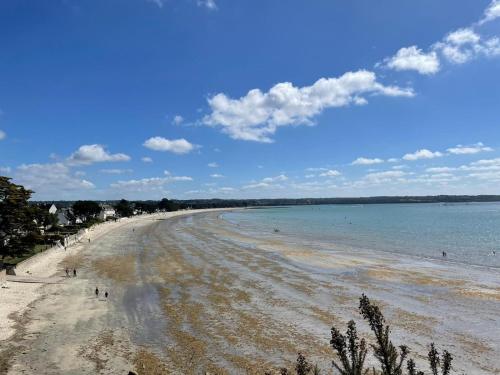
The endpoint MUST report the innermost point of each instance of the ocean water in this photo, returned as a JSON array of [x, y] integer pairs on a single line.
[[467, 232]]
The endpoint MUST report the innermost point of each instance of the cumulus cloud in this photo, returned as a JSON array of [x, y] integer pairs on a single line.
[[471, 149], [51, 180], [440, 170], [281, 177], [258, 185], [413, 58], [386, 176], [367, 161], [216, 175], [177, 146], [89, 154], [457, 47], [213, 165], [330, 173], [2, 135], [257, 115], [5, 169], [209, 4], [178, 119], [116, 171], [492, 12], [422, 154], [153, 184], [146, 159]]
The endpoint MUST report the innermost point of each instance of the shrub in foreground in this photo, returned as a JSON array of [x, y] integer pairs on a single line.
[[351, 351]]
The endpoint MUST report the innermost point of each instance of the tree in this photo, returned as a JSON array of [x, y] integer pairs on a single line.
[[168, 205], [17, 225], [124, 209], [86, 210]]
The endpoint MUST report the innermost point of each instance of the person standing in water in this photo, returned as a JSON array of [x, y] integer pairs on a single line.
[[106, 294], [74, 272], [96, 292]]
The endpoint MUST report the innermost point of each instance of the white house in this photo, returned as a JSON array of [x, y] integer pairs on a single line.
[[52, 209], [107, 212]]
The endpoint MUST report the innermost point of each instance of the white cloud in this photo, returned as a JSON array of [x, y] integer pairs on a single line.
[[89, 154], [257, 115], [440, 169], [148, 184], [492, 12], [177, 146], [472, 149], [386, 176], [158, 3], [147, 159], [330, 173], [116, 171], [2, 135], [465, 44], [281, 177], [412, 58], [216, 175], [366, 161], [316, 169], [5, 169], [178, 119], [209, 4], [51, 180], [392, 160], [213, 165], [258, 185], [488, 162], [422, 154]]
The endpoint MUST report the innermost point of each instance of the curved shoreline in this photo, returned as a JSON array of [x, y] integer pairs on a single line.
[[17, 296]]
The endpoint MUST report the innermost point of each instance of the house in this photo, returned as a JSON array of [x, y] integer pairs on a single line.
[[107, 211], [52, 209], [62, 217]]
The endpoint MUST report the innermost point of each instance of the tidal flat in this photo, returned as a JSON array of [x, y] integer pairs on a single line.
[[196, 293]]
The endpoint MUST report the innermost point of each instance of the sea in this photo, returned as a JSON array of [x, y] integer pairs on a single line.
[[468, 233]]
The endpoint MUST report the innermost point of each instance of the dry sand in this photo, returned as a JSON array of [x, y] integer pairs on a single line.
[[193, 294]]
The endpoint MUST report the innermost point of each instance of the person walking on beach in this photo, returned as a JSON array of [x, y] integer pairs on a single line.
[[106, 294], [74, 272], [67, 272], [96, 292]]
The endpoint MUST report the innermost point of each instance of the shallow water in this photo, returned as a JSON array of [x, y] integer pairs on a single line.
[[468, 233]]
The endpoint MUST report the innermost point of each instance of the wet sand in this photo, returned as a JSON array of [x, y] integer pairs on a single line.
[[194, 293]]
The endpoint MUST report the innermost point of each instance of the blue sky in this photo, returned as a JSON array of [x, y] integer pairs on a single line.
[[144, 99]]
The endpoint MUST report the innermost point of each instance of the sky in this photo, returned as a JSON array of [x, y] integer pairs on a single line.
[[185, 99]]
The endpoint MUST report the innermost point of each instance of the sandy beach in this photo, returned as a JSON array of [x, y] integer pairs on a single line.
[[193, 293]]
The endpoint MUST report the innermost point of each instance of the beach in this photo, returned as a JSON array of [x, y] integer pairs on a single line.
[[193, 293]]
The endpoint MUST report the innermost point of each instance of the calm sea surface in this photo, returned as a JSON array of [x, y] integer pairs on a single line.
[[468, 233]]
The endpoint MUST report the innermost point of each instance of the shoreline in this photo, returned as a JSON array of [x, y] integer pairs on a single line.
[[17, 296], [194, 294]]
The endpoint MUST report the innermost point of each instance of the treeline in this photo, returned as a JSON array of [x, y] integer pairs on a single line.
[[173, 205], [222, 203]]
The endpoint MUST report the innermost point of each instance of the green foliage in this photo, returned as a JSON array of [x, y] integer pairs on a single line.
[[86, 210], [390, 359], [350, 350], [124, 209], [168, 205], [17, 225]]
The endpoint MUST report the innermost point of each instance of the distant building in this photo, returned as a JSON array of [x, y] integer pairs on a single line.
[[107, 211], [52, 209], [62, 217]]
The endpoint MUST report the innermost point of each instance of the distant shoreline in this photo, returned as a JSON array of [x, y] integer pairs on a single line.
[[277, 202]]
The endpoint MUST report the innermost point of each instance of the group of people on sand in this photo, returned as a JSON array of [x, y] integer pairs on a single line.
[[68, 272], [106, 294]]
